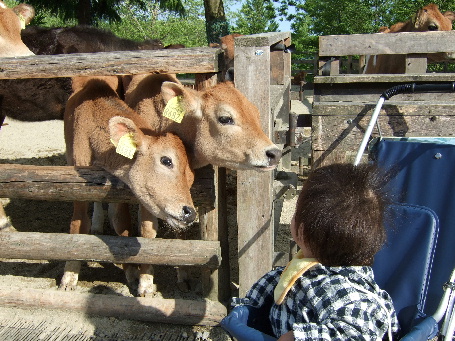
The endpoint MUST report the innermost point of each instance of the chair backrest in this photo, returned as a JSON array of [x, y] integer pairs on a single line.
[[422, 173], [403, 266]]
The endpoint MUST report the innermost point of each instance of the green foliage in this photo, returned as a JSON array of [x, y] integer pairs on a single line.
[[95, 12], [155, 23], [256, 16]]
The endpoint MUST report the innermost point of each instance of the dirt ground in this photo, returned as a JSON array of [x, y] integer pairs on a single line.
[[42, 143]]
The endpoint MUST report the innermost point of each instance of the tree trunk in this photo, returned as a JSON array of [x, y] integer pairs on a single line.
[[216, 25], [84, 11]]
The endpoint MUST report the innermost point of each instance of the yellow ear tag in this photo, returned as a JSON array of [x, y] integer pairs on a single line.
[[174, 109], [126, 146], [22, 20]]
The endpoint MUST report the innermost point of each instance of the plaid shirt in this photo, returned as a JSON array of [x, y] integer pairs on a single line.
[[328, 303]]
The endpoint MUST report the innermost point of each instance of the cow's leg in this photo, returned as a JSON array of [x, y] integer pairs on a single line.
[[80, 223], [97, 218], [2, 115], [5, 224], [120, 218], [182, 275], [148, 229]]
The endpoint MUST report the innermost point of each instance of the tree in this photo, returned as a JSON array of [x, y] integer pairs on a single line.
[[155, 23], [216, 23], [256, 16]]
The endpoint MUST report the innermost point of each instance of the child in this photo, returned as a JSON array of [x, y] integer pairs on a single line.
[[328, 292]]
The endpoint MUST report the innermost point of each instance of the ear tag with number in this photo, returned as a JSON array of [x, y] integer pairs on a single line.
[[22, 20], [174, 109], [126, 146]]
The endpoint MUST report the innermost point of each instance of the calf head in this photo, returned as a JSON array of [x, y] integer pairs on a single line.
[[159, 174], [429, 18], [226, 129], [12, 21]]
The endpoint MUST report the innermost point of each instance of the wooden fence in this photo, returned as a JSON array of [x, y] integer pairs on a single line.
[[343, 103]]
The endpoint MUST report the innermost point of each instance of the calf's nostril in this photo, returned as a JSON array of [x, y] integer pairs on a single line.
[[189, 214], [274, 155]]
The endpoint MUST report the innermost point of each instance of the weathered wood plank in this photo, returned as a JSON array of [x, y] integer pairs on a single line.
[[178, 311], [188, 60], [66, 183], [103, 248], [339, 129], [368, 89], [261, 39], [385, 78], [390, 43]]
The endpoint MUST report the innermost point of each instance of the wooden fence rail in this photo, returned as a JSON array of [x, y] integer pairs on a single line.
[[67, 183], [114, 249]]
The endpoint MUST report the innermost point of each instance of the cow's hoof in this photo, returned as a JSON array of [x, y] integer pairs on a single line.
[[6, 226], [68, 283], [146, 290]]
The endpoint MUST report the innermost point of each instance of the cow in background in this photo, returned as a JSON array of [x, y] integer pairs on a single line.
[[428, 18], [44, 99], [227, 45], [80, 39]]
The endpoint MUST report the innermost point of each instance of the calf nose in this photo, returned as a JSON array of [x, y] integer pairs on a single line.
[[433, 27], [189, 214], [274, 155]]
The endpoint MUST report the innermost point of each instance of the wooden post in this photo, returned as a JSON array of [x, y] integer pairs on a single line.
[[416, 63], [254, 190]]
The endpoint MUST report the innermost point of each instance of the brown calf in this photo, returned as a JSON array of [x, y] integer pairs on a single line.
[[158, 172], [428, 18]]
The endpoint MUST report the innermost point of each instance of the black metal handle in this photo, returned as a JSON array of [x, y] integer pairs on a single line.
[[413, 87]]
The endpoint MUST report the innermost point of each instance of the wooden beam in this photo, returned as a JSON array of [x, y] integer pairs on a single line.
[[188, 60], [177, 311], [102, 248], [67, 183], [387, 43]]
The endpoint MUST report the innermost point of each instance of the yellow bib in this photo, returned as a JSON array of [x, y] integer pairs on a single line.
[[295, 268]]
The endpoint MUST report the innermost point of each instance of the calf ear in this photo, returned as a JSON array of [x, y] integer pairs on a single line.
[[450, 15], [120, 126], [190, 100], [25, 12]]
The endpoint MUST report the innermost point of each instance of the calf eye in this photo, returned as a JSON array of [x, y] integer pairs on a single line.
[[225, 120], [167, 161]]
